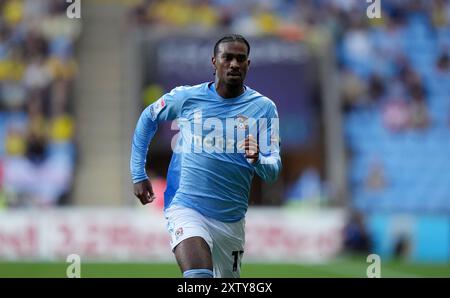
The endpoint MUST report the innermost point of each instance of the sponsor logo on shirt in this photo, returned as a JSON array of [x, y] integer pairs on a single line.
[[157, 107]]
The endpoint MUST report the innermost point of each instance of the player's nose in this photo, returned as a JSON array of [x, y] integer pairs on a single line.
[[234, 64]]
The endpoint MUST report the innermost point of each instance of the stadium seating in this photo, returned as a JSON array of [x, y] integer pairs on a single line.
[[413, 161], [37, 68]]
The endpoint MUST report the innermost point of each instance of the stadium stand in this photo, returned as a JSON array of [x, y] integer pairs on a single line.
[[399, 130], [37, 70]]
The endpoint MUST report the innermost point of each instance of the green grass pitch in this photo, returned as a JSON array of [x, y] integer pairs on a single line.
[[348, 267]]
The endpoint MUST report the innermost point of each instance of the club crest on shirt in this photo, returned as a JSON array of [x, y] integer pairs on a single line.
[[241, 122], [178, 233]]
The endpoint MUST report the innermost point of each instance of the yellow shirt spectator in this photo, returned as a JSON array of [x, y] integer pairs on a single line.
[[171, 12], [61, 128], [13, 12], [267, 21], [64, 70], [205, 16], [12, 70], [152, 93], [15, 143]]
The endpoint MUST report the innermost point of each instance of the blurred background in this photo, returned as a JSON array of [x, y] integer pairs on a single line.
[[363, 94]]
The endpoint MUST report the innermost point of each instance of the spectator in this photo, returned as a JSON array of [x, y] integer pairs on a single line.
[[443, 64], [440, 13], [356, 238], [396, 114], [376, 180], [352, 90], [418, 117], [37, 69]]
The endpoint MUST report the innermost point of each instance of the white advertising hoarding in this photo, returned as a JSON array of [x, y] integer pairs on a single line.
[[99, 234]]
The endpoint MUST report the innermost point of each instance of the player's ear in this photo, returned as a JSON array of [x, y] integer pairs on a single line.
[[213, 61], [248, 62]]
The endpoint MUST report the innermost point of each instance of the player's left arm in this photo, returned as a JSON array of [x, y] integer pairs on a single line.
[[264, 152]]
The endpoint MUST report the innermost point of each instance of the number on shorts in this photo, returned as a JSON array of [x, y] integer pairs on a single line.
[[237, 254]]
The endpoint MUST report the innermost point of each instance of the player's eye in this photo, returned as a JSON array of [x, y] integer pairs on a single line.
[[228, 57], [241, 58]]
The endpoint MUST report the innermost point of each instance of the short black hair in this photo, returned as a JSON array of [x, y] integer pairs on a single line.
[[231, 38]]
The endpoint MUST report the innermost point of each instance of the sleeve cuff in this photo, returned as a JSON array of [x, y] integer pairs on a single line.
[[254, 162]]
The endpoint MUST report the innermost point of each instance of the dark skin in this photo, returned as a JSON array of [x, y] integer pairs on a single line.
[[231, 64]]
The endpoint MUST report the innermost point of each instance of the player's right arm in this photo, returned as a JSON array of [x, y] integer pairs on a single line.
[[168, 107]]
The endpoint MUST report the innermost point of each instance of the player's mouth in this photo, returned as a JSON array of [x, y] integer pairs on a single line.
[[234, 74]]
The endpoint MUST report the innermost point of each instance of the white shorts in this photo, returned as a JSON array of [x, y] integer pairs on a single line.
[[225, 239]]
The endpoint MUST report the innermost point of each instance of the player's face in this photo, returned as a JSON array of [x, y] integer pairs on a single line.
[[231, 62]]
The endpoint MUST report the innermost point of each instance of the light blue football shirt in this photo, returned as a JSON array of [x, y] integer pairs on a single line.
[[208, 172]]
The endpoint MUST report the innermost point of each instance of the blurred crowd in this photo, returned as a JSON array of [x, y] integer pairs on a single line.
[[395, 83], [37, 70], [246, 17]]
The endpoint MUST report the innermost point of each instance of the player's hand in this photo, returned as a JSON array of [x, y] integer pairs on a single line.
[[251, 148], [144, 192]]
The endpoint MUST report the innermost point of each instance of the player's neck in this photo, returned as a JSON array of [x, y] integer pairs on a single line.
[[228, 91]]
